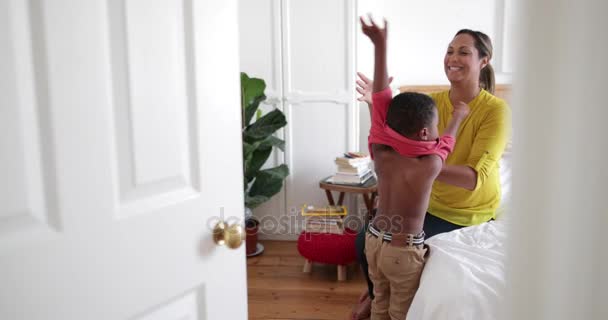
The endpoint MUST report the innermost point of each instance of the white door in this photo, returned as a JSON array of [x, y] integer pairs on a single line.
[[120, 150]]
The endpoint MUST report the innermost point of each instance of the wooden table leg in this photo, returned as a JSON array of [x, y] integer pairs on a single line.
[[341, 273], [371, 212], [307, 266], [330, 198], [368, 203], [341, 199], [374, 195]]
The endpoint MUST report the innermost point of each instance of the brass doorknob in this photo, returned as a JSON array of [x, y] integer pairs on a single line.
[[231, 236]]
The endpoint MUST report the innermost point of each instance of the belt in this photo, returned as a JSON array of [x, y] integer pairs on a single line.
[[388, 237]]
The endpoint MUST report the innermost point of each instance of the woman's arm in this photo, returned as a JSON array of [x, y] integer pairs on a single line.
[[487, 149], [364, 87], [460, 176]]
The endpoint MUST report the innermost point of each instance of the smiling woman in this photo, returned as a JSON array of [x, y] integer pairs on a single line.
[[459, 58]]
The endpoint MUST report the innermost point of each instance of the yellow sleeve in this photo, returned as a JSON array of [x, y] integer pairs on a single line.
[[490, 142]]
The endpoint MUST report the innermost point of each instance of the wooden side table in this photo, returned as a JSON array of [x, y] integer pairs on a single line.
[[368, 191]]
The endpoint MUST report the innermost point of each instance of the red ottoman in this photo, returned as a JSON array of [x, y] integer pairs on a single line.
[[329, 248]]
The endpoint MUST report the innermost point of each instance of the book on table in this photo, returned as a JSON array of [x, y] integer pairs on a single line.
[[318, 224], [368, 183], [325, 211], [341, 178], [334, 229], [326, 219], [354, 168], [359, 170], [346, 162]]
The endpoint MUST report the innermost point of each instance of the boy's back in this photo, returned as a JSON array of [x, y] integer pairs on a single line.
[[404, 186], [408, 156]]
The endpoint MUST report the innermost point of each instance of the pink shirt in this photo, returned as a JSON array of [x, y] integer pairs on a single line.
[[381, 133]]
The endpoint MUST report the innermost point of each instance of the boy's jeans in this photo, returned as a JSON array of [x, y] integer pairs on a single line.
[[395, 270]]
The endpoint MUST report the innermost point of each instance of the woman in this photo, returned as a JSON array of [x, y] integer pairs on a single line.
[[467, 191]]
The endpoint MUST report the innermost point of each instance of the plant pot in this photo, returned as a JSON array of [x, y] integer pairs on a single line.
[[251, 236]]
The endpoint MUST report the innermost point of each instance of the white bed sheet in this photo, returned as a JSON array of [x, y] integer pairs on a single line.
[[464, 275]]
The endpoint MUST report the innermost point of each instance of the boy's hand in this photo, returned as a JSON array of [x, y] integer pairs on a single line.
[[378, 37], [373, 31], [365, 86], [461, 110]]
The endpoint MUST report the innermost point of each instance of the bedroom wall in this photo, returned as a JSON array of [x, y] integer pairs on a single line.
[[419, 33], [308, 54]]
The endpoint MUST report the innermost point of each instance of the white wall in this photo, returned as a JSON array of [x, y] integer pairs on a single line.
[[261, 57], [306, 53], [419, 34], [420, 31]]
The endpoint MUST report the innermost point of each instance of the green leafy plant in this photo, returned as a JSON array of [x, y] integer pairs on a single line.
[[258, 142]]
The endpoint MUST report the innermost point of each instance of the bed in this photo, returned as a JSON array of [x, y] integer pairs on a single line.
[[464, 277]]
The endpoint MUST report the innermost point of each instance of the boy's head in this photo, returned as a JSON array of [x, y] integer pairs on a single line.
[[414, 116]]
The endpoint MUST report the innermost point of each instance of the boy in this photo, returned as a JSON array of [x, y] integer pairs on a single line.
[[408, 155]]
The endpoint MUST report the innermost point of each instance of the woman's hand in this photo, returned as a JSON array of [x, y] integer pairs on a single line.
[[365, 86]]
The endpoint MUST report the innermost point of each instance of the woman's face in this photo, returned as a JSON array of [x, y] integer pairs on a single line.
[[462, 62]]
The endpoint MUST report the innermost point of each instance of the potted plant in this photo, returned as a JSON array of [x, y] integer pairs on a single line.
[[258, 143]]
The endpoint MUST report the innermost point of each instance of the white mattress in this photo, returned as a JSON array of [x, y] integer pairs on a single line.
[[464, 275]]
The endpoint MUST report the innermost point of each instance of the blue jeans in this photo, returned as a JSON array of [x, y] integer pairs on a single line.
[[432, 226]]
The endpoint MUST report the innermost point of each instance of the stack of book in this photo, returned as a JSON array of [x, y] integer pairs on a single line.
[[352, 169], [324, 220]]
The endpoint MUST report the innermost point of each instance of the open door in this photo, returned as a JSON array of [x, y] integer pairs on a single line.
[[120, 152]]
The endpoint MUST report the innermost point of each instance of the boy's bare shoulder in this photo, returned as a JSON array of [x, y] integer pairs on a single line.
[[380, 149], [429, 162], [431, 165]]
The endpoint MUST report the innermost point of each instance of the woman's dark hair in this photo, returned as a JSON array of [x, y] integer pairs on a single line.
[[483, 44]]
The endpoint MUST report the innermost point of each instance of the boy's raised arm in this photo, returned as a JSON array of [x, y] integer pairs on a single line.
[[378, 37]]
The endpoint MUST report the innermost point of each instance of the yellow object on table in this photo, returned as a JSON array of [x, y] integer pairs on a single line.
[[324, 211]]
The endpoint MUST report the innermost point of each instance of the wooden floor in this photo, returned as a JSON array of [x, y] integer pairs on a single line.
[[278, 289]]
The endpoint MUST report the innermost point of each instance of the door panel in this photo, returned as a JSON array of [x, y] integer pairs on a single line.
[[153, 97], [121, 144]]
